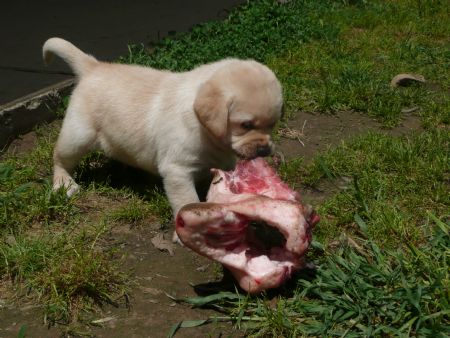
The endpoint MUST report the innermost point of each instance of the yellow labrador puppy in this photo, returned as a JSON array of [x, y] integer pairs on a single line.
[[176, 125]]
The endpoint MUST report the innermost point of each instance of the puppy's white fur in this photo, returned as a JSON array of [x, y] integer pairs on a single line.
[[176, 125]]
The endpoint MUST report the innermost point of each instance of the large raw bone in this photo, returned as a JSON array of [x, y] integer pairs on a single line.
[[219, 232], [219, 229]]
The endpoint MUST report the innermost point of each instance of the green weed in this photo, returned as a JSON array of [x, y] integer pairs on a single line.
[[377, 41], [67, 273], [133, 211], [395, 181], [43, 249], [159, 206], [28, 202], [357, 290], [256, 30], [288, 171]]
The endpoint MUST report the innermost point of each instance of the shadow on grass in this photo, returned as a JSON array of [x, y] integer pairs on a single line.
[[229, 283], [104, 172], [101, 171]]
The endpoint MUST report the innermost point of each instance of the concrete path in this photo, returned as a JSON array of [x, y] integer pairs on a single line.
[[100, 27]]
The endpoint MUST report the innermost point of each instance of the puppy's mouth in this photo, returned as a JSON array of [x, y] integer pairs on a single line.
[[242, 156], [252, 151]]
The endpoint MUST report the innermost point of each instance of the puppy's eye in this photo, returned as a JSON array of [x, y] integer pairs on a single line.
[[248, 125]]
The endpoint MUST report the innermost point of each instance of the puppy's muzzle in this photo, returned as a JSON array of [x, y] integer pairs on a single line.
[[262, 151]]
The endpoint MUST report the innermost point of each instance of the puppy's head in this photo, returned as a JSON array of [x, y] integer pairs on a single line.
[[239, 106]]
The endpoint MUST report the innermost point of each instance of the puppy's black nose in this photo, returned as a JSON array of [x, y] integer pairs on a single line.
[[263, 151]]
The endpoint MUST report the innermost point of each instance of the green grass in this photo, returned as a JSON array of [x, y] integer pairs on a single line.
[[52, 248], [44, 249], [28, 202], [364, 292], [395, 181], [377, 41], [372, 292], [259, 29], [159, 205], [138, 208], [132, 212], [68, 274]]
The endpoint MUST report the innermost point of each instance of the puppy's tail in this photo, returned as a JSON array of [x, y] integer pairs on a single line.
[[77, 60]]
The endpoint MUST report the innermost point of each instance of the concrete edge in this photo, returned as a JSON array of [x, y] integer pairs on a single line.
[[22, 115]]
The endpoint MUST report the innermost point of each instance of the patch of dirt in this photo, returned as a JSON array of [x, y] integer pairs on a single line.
[[158, 274], [314, 133], [13, 317], [185, 274], [23, 144]]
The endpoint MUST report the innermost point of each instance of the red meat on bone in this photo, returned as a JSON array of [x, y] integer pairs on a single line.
[[219, 228]]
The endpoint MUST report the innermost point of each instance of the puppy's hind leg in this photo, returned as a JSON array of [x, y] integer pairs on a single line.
[[75, 140]]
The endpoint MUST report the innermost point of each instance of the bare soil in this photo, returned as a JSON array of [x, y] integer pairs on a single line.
[[183, 274], [318, 132]]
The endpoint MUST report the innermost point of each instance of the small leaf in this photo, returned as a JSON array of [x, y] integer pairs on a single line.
[[359, 195], [193, 323], [6, 171], [348, 315], [436, 314], [160, 243], [362, 225], [443, 226], [317, 245], [201, 301], [23, 187], [325, 169], [239, 318], [186, 324], [22, 332], [408, 324], [174, 330]]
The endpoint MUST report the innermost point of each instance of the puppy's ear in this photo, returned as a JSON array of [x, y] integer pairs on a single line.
[[211, 108]]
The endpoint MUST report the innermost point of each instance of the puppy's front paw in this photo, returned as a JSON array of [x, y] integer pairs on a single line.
[[71, 187], [176, 239]]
